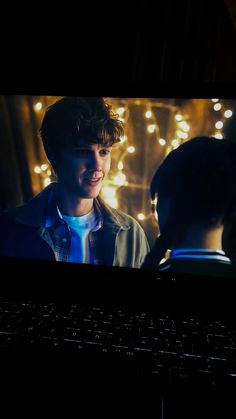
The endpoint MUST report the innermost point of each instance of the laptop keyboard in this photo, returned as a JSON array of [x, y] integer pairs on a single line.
[[167, 347]]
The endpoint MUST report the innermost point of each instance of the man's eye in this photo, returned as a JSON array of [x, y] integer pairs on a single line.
[[104, 152]]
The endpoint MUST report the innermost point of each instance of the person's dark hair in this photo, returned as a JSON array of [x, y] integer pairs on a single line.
[[199, 181], [70, 118]]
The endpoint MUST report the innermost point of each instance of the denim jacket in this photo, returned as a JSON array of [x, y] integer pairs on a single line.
[[26, 233]]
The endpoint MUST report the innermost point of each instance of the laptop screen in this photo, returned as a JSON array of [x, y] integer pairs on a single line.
[[76, 175]]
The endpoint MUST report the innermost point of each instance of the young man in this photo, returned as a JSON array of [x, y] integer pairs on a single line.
[[68, 221], [195, 188]]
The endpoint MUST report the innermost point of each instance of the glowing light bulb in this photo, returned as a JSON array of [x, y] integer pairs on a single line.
[[228, 113], [151, 128], [37, 169], [219, 124], [121, 110], [120, 165], [44, 167], [182, 134], [47, 181], [184, 126], [178, 117], [217, 107], [218, 135], [175, 143], [148, 114], [131, 149], [162, 141], [38, 106], [141, 216], [214, 100]]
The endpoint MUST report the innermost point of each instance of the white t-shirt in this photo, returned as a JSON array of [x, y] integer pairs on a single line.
[[80, 228]]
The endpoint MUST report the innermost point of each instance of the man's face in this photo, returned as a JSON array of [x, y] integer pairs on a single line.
[[82, 168]]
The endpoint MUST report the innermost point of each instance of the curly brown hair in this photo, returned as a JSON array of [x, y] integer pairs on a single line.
[[73, 117]]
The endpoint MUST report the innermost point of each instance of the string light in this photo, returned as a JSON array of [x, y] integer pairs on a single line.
[[37, 169], [47, 181], [217, 107], [121, 111], [218, 135], [178, 117], [214, 100], [38, 106], [182, 134], [141, 216], [45, 172], [184, 126], [151, 128], [131, 149], [228, 113], [148, 114], [219, 124], [120, 179], [120, 165], [162, 142], [175, 143]]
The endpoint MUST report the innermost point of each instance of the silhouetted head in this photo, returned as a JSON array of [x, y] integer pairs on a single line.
[[194, 186]]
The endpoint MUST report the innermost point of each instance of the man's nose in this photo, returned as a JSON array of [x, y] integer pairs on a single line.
[[95, 162]]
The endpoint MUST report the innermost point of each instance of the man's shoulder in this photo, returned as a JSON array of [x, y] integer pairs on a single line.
[[120, 217], [199, 267], [126, 218]]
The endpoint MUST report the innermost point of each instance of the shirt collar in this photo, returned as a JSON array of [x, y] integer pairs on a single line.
[[54, 215]]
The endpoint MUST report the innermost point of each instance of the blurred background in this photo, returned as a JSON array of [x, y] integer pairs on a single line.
[[153, 127]]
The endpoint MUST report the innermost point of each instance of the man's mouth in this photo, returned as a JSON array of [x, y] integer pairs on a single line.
[[93, 181]]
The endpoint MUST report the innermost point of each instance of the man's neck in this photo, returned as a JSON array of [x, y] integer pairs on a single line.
[[201, 238], [73, 205]]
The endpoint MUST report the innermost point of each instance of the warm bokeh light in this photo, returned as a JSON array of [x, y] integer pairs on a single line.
[[162, 141], [151, 128], [141, 216], [184, 126], [182, 134], [44, 167], [120, 165], [37, 169], [148, 114], [178, 117], [219, 124], [228, 113], [38, 106], [214, 100], [121, 110], [218, 135], [175, 143], [47, 181], [131, 149], [217, 107], [120, 179]]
